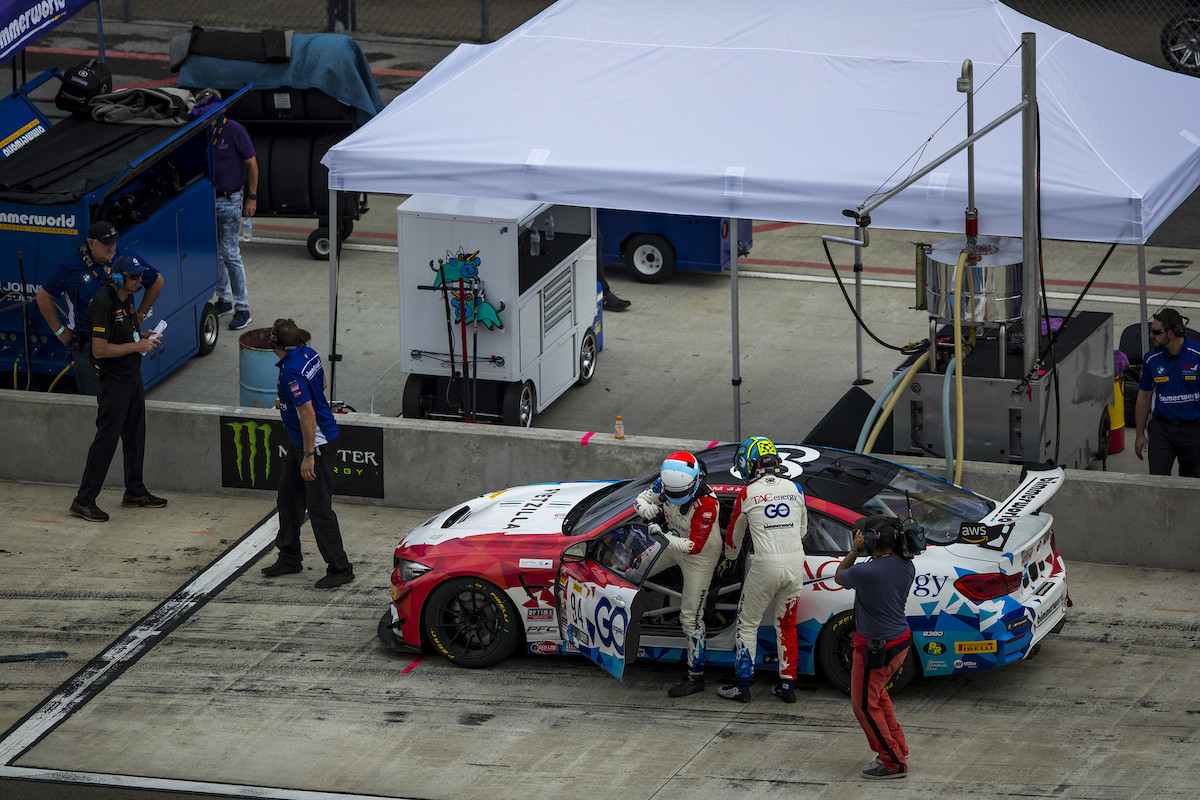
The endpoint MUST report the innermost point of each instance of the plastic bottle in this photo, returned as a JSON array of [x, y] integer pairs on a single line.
[[619, 428], [549, 227], [535, 242], [247, 229]]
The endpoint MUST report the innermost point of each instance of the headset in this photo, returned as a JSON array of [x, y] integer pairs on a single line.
[[885, 536], [1179, 323], [118, 275], [273, 339]]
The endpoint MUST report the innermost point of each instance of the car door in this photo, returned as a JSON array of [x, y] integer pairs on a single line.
[[597, 592]]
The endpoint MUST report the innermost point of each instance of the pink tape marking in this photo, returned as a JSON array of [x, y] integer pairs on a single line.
[[712, 444], [587, 436], [412, 666]]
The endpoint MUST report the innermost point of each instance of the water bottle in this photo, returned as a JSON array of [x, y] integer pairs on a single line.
[[247, 229], [535, 242], [549, 227], [619, 428]]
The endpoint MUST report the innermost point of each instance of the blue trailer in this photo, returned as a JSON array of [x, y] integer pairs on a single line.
[[652, 246], [65, 176]]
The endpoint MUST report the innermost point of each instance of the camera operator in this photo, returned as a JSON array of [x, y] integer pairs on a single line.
[[882, 636]]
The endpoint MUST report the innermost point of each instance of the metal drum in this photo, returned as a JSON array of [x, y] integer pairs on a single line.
[[258, 377], [991, 287]]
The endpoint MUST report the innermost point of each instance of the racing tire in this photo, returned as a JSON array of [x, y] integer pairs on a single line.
[[588, 353], [319, 245], [209, 330], [414, 403], [835, 654], [471, 622], [517, 407], [1180, 41], [650, 258]]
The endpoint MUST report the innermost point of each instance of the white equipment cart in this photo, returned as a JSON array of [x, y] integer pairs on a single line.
[[499, 306]]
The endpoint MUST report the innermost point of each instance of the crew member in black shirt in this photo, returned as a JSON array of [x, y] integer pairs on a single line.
[[117, 350]]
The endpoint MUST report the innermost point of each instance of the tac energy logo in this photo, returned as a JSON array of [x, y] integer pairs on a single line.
[[253, 453]]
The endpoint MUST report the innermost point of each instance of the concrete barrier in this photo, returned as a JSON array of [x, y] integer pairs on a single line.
[[1103, 517]]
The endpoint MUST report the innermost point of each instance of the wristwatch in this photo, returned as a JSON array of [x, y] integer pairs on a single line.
[[251, 196], [308, 453]]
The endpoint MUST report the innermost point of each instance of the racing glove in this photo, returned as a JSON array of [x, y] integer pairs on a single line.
[[646, 509], [655, 528]]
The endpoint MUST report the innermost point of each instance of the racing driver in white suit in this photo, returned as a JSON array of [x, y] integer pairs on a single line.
[[772, 508], [693, 542]]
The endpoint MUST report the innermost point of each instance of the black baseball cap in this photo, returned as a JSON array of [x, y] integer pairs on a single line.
[[103, 231]]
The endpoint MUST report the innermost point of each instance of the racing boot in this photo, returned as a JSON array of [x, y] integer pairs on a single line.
[[690, 684], [785, 690], [739, 691]]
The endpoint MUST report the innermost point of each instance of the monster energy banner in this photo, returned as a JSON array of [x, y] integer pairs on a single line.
[[252, 452]]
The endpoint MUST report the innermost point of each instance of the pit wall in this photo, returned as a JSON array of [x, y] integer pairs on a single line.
[[433, 465]]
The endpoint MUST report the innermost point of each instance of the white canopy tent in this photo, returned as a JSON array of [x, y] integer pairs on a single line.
[[788, 110]]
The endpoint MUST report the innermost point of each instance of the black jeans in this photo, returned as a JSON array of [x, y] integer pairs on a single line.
[[120, 414], [296, 495], [1168, 442]]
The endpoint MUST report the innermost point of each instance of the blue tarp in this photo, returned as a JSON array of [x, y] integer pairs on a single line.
[[26, 21], [330, 62]]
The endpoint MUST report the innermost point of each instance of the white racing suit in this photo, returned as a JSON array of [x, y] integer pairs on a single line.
[[694, 543], [772, 507]]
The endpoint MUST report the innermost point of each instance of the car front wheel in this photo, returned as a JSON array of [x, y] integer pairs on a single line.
[[835, 654], [471, 622]]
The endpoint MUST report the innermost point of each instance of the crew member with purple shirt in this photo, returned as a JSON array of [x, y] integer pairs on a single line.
[[235, 169]]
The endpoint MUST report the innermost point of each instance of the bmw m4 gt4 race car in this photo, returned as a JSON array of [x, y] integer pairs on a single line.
[[568, 568]]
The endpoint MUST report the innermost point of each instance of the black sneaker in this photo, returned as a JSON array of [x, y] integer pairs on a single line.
[[690, 684], [223, 307], [240, 320], [735, 693], [333, 579], [880, 773], [785, 691], [89, 512], [146, 500], [614, 303], [280, 568]]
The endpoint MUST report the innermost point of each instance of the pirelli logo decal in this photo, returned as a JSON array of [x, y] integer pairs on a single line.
[[965, 648]]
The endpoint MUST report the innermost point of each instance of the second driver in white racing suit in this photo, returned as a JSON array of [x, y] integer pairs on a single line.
[[693, 543], [772, 508]]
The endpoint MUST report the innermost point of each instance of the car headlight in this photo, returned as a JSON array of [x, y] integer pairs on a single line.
[[411, 570]]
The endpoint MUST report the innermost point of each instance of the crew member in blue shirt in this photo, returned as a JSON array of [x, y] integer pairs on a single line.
[[78, 279], [1170, 388], [306, 477]]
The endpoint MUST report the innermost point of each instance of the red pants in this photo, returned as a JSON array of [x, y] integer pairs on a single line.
[[873, 707]]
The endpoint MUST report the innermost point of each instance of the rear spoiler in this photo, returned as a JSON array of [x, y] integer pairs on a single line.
[[1036, 488]]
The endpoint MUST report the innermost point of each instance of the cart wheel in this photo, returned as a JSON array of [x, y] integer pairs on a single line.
[[517, 408], [587, 357], [414, 404], [650, 258], [318, 244], [209, 330], [347, 227]]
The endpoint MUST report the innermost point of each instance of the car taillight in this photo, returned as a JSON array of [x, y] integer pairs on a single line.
[[987, 585]]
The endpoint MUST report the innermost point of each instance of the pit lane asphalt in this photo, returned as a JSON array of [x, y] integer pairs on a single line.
[[273, 688]]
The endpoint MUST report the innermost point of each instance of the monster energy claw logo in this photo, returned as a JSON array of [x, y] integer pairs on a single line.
[[249, 430]]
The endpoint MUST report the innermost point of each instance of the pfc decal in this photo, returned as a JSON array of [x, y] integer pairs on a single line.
[[988, 646]]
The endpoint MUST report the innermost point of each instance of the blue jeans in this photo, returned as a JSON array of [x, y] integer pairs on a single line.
[[231, 274]]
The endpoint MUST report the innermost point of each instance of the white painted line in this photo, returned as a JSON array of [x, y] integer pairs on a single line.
[[131, 646], [172, 785]]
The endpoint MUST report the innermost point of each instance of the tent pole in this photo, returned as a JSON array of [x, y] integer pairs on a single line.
[[1029, 199], [334, 234], [1143, 303], [737, 375], [858, 270]]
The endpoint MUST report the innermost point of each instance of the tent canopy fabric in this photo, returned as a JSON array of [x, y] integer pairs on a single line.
[[788, 110], [23, 22]]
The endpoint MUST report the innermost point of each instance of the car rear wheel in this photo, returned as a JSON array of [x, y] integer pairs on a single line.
[[471, 622], [835, 654], [1180, 41]]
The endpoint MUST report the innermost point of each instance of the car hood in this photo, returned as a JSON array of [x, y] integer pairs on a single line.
[[536, 509]]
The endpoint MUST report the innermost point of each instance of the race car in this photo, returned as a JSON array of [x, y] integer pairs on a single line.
[[559, 568]]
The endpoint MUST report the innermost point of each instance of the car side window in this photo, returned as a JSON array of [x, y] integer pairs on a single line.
[[827, 535], [627, 550]]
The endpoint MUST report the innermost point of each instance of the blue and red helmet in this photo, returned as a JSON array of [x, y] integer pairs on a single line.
[[756, 456], [680, 477]]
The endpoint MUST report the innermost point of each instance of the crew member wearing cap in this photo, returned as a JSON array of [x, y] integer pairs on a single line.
[[235, 173], [117, 346], [77, 280]]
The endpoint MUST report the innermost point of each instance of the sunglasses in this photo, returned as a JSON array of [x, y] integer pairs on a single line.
[[1157, 332]]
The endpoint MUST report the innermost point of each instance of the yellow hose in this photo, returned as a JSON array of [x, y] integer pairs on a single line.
[[958, 360], [887, 411], [58, 377]]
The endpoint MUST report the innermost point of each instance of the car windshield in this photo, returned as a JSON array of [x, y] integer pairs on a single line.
[[941, 507], [600, 507]]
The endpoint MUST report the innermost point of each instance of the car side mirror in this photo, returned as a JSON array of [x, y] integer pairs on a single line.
[[575, 553]]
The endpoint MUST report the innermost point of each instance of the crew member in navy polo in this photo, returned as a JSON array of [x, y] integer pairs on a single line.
[[77, 280], [306, 476], [1170, 388]]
